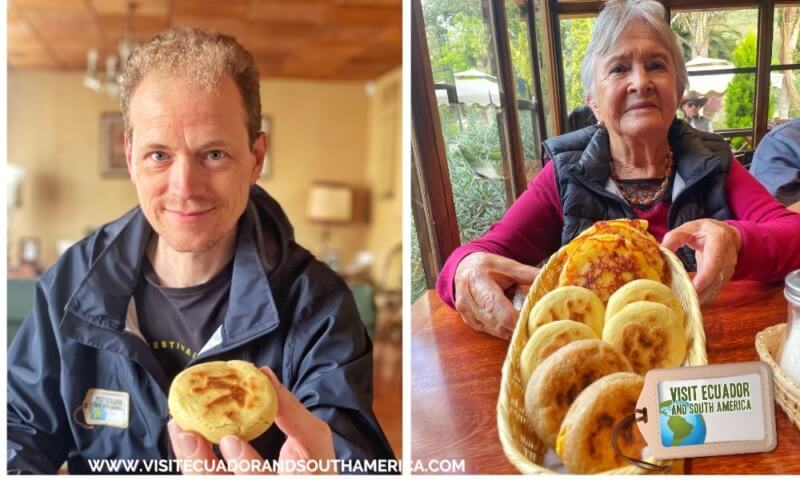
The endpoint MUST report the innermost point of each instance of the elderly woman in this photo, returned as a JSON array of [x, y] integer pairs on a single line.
[[639, 161]]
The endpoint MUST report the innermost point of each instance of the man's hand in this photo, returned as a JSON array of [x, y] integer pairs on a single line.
[[482, 282], [307, 438], [716, 245], [198, 458]]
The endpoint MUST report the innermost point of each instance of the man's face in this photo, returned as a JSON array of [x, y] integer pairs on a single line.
[[691, 108], [190, 160]]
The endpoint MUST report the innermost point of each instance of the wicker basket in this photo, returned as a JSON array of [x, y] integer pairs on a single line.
[[521, 445], [787, 391]]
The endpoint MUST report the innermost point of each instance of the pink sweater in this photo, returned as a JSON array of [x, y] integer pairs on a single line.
[[531, 229]]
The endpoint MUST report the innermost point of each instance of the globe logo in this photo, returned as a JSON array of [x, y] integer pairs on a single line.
[[680, 430], [97, 413]]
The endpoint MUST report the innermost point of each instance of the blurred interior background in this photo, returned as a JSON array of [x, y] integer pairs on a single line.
[[331, 101]]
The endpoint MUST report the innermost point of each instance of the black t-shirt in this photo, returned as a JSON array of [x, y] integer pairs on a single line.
[[177, 322]]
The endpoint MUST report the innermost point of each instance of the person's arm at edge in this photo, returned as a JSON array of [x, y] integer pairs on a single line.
[[769, 231], [776, 159], [528, 232]]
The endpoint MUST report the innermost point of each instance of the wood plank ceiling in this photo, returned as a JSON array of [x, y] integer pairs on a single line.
[[312, 39]]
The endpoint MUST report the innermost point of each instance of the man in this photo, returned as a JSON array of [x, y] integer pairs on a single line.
[[205, 268], [691, 105], [776, 163]]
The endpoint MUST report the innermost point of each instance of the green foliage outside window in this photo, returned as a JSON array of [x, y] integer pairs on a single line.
[[474, 160], [575, 34], [418, 284], [475, 163], [740, 97], [520, 52], [741, 90], [457, 38], [713, 34]]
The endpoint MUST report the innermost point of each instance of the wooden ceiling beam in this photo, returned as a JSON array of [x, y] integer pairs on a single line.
[[23, 18], [317, 39]]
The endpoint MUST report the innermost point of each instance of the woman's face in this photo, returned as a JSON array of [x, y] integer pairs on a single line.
[[635, 92]]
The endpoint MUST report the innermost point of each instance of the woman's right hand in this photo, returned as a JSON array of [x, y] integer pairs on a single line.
[[481, 283]]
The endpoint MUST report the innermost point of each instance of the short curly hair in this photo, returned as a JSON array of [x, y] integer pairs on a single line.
[[201, 55]]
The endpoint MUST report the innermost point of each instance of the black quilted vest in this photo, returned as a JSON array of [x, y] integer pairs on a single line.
[[581, 161]]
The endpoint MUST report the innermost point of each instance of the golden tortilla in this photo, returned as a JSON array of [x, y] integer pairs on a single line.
[[216, 399], [584, 440]]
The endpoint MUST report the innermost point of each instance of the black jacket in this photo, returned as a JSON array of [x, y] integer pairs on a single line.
[[287, 311]]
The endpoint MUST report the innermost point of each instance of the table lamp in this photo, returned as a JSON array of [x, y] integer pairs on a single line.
[[329, 204]]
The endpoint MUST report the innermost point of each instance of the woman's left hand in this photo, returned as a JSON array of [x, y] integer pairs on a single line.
[[716, 245]]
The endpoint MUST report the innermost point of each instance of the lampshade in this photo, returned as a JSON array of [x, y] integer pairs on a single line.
[[330, 203]]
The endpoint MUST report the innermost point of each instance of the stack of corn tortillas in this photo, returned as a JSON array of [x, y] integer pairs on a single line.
[[591, 339]]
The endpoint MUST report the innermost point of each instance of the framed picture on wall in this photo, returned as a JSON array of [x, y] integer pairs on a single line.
[[267, 127], [112, 145]]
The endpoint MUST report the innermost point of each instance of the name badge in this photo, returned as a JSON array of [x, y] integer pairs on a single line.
[[106, 407], [711, 410]]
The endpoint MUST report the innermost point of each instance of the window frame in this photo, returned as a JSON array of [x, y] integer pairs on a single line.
[[768, 53], [432, 201]]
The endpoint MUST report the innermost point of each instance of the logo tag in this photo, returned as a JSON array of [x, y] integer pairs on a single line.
[[711, 410], [106, 407]]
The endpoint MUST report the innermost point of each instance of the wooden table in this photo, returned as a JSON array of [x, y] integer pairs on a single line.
[[455, 382]]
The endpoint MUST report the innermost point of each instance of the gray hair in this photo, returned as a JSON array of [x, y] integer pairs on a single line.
[[202, 56], [615, 17]]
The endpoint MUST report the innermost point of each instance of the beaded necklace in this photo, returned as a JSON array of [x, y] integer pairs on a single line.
[[643, 201]]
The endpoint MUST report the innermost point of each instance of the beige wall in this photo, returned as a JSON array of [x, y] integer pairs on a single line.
[[385, 176], [321, 131], [54, 133]]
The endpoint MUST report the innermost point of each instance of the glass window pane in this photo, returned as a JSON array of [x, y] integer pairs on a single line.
[[544, 64], [733, 109], [418, 285], [784, 100], [518, 28], [715, 34], [474, 158], [471, 117], [740, 145], [737, 106], [786, 35], [575, 36]]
